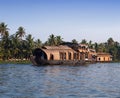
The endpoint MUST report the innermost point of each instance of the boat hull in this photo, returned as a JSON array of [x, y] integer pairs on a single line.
[[39, 62]]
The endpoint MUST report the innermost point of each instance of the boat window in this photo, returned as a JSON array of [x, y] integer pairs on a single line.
[[99, 59], [86, 55], [82, 56], [69, 56], [75, 56], [51, 57], [104, 58], [62, 56]]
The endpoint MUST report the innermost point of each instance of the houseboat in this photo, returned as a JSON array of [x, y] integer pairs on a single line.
[[64, 54], [104, 57]]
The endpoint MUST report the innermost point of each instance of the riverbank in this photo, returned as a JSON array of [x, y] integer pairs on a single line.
[[15, 62], [29, 62]]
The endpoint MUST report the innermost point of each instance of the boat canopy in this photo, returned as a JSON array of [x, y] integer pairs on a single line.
[[39, 53]]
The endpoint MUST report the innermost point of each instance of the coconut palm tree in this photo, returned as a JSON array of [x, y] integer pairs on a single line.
[[3, 28], [90, 45], [6, 43], [14, 46], [38, 43], [110, 42], [96, 46], [58, 40], [52, 40], [20, 33], [29, 45]]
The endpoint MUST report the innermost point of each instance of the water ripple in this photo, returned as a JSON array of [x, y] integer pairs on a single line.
[[27, 81]]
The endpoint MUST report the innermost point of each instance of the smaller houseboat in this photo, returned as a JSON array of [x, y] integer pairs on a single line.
[[104, 57]]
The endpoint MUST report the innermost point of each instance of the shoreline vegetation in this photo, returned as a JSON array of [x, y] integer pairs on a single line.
[[20, 46]]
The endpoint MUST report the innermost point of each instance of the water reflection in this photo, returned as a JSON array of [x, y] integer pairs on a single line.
[[26, 81]]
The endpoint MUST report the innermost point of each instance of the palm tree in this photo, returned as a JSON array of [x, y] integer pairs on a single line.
[[52, 40], [6, 43], [90, 45], [3, 28], [96, 46], [38, 43], [20, 33], [110, 42], [102, 47], [30, 45], [59, 40], [15, 46]]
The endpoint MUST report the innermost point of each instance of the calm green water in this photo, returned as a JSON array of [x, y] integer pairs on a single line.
[[92, 81]]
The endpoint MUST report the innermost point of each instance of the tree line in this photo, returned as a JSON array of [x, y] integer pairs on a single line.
[[20, 46]]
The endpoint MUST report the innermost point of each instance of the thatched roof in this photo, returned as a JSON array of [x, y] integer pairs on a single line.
[[61, 47], [103, 54]]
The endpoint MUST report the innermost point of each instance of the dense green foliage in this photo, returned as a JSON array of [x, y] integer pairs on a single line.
[[20, 45], [14, 46]]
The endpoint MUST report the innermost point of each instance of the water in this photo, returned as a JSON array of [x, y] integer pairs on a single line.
[[92, 81]]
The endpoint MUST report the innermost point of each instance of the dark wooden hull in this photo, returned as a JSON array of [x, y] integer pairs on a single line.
[[38, 62]]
